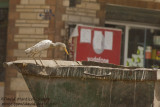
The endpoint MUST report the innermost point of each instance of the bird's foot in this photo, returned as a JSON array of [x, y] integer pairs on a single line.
[[38, 64]]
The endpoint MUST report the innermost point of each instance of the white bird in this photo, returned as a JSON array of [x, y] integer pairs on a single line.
[[41, 46]]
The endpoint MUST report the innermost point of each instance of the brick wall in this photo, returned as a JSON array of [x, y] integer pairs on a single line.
[[29, 23], [83, 13], [9, 93]]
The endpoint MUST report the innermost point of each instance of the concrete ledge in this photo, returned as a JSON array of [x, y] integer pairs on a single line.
[[72, 69]]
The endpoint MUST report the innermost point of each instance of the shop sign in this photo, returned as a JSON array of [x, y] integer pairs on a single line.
[[97, 44]]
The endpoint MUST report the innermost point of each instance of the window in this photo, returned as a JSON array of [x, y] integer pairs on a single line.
[[72, 3]]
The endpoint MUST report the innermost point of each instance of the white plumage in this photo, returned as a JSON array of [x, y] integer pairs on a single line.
[[41, 46]]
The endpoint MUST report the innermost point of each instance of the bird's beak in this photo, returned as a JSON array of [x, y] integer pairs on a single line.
[[66, 51]]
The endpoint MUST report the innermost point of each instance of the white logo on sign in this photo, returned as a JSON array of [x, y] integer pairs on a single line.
[[98, 42]]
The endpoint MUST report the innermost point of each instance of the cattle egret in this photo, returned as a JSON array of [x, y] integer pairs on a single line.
[[41, 46]]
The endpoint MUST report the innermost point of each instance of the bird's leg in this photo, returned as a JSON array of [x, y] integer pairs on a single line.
[[55, 62], [40, 58], [35, 59]]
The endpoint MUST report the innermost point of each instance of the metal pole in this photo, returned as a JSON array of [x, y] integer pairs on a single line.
[[126, 45], [145, 39]]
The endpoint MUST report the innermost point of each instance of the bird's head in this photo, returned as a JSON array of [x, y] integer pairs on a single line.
[[64, 46], [61, 45]]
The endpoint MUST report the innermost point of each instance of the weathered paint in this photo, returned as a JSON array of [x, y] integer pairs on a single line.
[[87, 92]]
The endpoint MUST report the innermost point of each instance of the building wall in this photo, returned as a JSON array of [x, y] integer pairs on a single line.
[[92, 12], [27, 25], [147, 4], [3, 37]]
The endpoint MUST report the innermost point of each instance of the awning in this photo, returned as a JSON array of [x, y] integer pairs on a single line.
[[132, 14]]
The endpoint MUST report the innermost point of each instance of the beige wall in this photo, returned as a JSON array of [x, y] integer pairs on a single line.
[[26, 27], [1, 92]]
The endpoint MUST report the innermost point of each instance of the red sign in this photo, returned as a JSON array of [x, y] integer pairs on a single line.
[[98, 44]]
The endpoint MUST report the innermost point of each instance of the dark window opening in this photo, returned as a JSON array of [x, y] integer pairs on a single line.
[[70, 30], [3, 39], [136, 38], [72, 3]]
